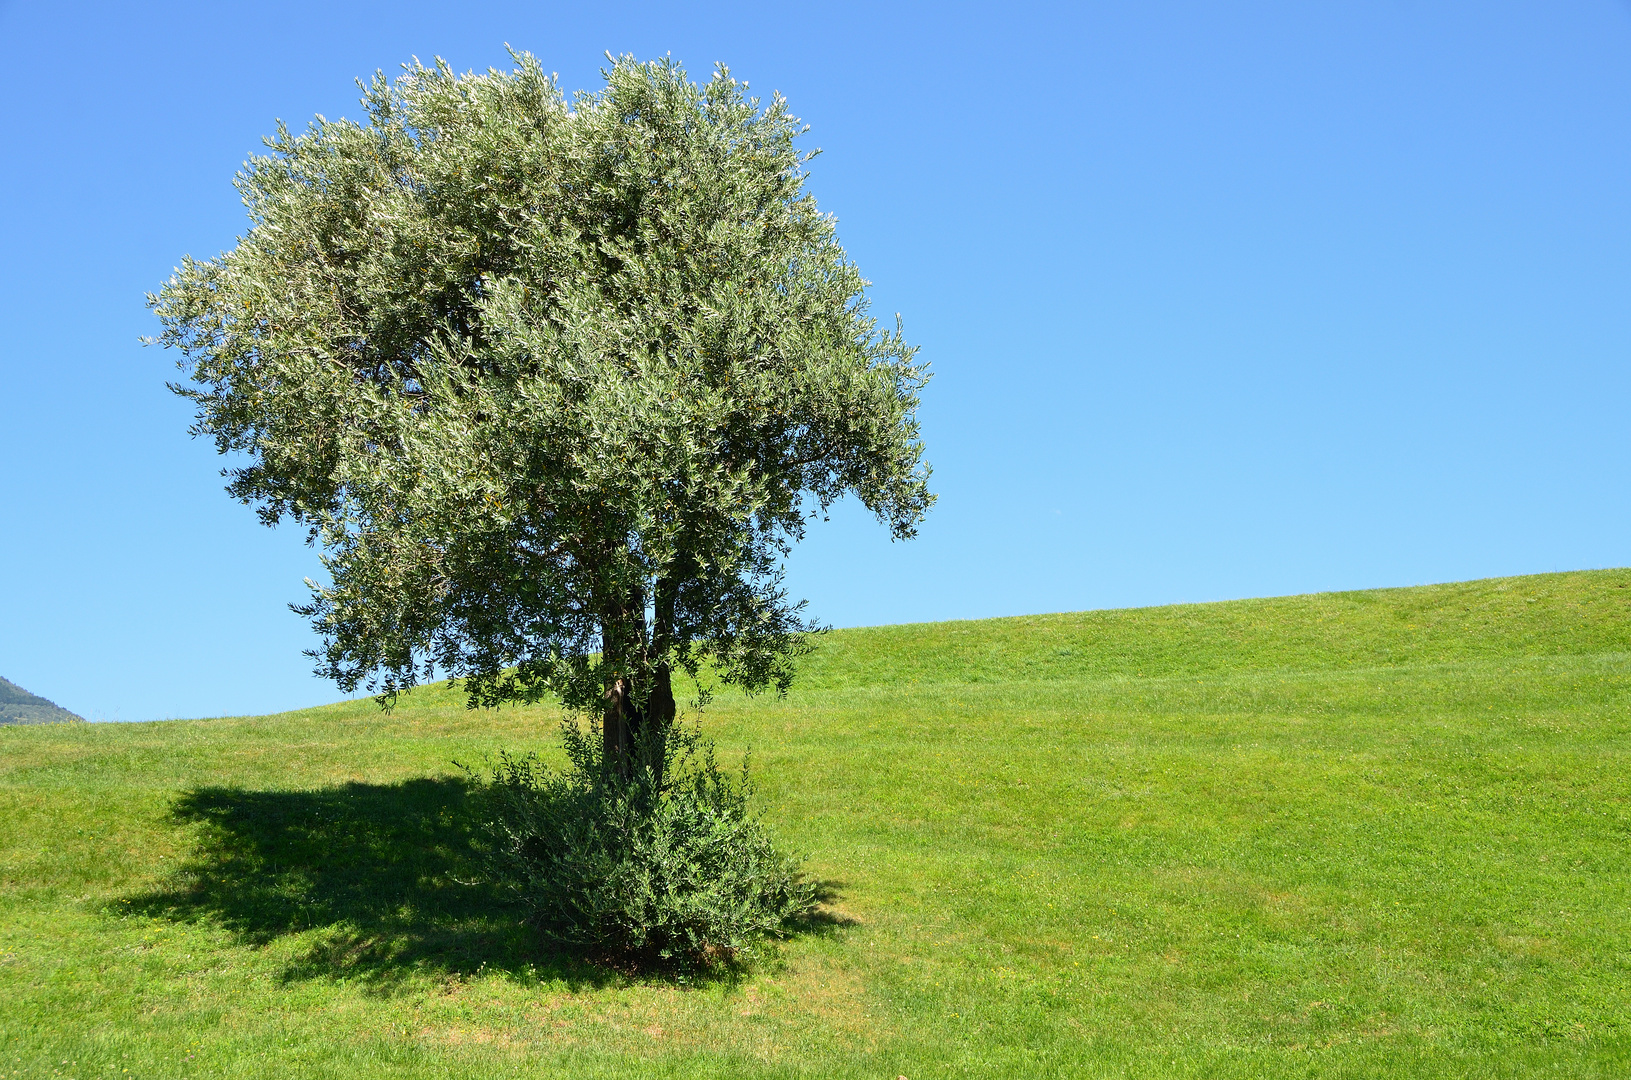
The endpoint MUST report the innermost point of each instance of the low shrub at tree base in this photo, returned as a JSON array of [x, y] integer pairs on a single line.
[[662, 865]]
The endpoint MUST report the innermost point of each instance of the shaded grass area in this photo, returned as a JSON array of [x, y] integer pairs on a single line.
[[1356, 835], [385, 871]]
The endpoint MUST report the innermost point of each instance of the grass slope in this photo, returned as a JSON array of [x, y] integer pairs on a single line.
[[1359, 835]]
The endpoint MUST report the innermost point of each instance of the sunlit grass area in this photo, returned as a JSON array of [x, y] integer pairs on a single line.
[[1361, 835]]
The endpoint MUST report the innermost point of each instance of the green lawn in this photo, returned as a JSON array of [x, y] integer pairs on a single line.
[[1362, 835]]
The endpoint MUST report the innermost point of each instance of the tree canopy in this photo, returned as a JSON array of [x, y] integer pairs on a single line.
[[553, 382]]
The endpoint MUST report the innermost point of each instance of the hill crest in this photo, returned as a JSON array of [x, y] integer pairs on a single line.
[[18, 706]]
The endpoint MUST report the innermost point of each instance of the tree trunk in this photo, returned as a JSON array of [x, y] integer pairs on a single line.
[[639, 708], [616, 736], [617, 646], [658, 717], [659, 701], [628, 723]]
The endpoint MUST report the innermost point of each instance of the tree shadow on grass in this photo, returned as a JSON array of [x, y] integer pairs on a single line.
[[823, 920], [385, 873]]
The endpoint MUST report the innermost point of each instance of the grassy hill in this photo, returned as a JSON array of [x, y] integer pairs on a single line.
[[18, 706], [1350, 835]]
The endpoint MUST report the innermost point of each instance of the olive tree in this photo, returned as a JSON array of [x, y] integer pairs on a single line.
[[554, 383]]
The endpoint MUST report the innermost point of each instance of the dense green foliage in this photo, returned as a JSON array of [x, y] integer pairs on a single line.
[[665, 866], [18, 706], [554, 383], [1356, 835]]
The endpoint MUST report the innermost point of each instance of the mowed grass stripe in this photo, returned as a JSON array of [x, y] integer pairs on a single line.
[[1376, 834]]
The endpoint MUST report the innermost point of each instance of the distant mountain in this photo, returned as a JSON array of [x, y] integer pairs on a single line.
[[18, 706]]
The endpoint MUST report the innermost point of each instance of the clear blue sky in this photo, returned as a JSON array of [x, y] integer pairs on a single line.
[[1223, 299]]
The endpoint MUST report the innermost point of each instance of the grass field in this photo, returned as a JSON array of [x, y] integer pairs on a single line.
[[1366, 834]]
